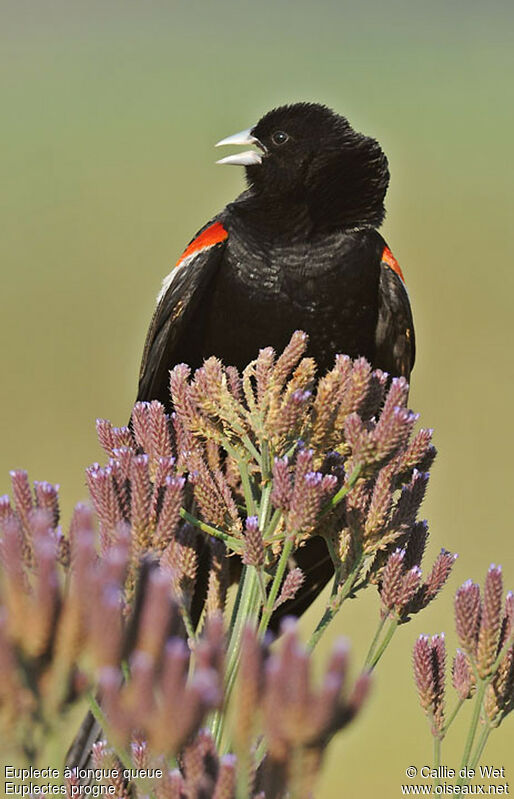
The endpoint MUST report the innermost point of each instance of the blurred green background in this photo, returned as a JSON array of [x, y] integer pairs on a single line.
[[109, 113]]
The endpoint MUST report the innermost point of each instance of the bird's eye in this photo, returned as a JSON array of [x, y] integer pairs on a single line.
[[279, 137]]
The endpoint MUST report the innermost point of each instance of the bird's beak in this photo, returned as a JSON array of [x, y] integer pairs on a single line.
[[248, 157]]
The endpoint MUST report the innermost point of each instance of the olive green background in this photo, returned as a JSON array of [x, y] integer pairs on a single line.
[[109, 113]]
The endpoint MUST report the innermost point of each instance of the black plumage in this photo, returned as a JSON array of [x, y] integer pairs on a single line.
[[299, 249]]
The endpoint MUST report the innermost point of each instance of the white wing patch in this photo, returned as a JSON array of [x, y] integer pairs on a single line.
[[209, 237], [168, 280]]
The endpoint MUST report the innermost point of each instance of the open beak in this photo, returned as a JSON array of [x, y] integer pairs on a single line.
[[246, 158]]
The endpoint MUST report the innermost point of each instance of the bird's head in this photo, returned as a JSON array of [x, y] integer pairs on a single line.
[[308, 153]]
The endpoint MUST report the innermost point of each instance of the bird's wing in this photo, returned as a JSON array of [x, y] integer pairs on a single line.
[[394, 338], [180, 295]]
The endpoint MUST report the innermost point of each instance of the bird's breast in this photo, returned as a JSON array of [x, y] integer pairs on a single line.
[[284, 265], [265, 290]]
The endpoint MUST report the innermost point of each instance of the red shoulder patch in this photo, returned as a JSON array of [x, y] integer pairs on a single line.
[[389, 260], [207, 238]]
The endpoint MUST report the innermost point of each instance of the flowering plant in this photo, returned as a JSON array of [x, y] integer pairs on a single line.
[[273, 477], [482, 670]]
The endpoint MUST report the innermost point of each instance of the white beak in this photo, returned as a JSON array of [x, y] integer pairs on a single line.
[[246, 158]]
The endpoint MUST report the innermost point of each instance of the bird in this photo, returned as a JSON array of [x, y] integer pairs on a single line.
[[298, 249]]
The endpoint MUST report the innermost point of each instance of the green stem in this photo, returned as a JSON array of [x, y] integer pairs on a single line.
[[385, 643], [244, 776], [242, 465], [277, 580], [235, 609], [262, 587], [265, 460], [252, 449], [374, 643], [437, 758], [246, 440], [272, 526], [188, 624], [265, 506], [125, 670], [337, 567], [251, 508], [480, 746], [335, 602], [247, 612], [261, 750], [101, 718], [479, 697], [336, 560], [343, 491], [453, 715], [233, 543], [505, 648]]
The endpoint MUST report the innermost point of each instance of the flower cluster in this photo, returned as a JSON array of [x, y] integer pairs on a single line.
[[429, 672], [303, 437], [335, 456], [157, 693], [402, 590], [246, 473], [277, 705], [53, 615], [486, 637], [297, 719], [41, 623], [203, 772], [483, 667], [258, 463], [151, 684]]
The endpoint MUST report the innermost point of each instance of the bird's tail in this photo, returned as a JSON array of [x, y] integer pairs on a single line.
[[80, 754], [315, 562]]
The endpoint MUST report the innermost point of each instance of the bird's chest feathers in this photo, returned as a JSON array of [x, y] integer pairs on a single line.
[[307, 276], [265, 291]]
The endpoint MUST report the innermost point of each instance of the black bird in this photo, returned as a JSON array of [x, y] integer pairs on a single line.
[[298, 250]]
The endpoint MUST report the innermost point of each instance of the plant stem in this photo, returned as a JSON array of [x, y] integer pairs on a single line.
[[480, 746], [343, 491], [453, 715], [268, 533], [277, 580], [335, 602], [246, 613], [385, 643], [338, 596], [374, 642], [479, 696], [251, 507], [508, 643], [250, 446], [260, 750], [188, 624], [233, 543], [265, 460], [262, 587], [336, 560], [265, 508], [235, 609], [101, 718], [437, 758]]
